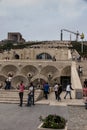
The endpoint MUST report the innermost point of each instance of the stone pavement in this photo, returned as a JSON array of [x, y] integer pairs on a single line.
[[77, 114], [64, 102], [77, 118], [13, 117]]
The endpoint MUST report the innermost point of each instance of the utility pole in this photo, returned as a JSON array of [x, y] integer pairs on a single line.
[[61, 35]]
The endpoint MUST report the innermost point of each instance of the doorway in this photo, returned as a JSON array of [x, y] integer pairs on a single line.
[[64, 80]]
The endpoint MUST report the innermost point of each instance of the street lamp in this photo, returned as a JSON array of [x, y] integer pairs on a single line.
[[82, 37], [33, 95], [39, 81], [29, 75], [50, 77]]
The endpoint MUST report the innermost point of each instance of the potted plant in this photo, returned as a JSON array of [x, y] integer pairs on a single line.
[[53, 122]]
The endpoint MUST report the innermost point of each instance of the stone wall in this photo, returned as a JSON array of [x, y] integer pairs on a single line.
[[36, 71]]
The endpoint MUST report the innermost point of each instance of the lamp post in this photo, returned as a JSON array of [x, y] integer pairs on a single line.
[[33, 96], [50, 77], [82, 37], [39, 80], [29, 75], [29, 79]]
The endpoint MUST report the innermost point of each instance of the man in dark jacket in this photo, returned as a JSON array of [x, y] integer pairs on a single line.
[[46, 90], [59, 91]]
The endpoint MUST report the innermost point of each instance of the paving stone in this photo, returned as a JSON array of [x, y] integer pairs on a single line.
[[77, 118], [13, 117]]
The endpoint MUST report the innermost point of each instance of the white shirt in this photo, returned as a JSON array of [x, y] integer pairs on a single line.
[[68, 87], [56, 87], [10, 78], [31, 90]]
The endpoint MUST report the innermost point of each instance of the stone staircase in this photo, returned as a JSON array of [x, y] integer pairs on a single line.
[[83, 64], [12, 96]]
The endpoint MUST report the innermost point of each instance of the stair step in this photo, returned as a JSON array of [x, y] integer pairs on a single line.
[[12, 96]]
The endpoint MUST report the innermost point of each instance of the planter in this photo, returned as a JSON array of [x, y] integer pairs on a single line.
[[40, 128], [53, 122]]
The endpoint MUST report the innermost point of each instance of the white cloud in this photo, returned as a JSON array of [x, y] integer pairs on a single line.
[[20, 2], [71, 8]]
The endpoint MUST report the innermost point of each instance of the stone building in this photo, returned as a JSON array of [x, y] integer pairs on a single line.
[[47, 62], [15, 36]]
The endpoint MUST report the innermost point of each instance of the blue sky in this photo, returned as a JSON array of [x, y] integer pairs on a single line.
[[43, 19]]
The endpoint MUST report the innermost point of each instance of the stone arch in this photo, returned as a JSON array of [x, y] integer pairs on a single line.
[[55, 79], [29, 70], [16, 56], [66, 71], [39, 77], [39, 80], [2, 81], [44, 56], [9, 69], [17, 79], [49, 71], [65, 76]]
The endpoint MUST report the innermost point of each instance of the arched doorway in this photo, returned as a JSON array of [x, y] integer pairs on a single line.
[[65, 77], [44, 56]]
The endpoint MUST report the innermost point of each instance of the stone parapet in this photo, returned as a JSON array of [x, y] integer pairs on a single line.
[[76, 83]]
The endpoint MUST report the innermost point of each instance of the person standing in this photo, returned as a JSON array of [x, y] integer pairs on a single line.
[[85, 83], [7, 86], [30, 95], [10, 78], [68, 90], [56, 90], [21, 92], [80, 70]]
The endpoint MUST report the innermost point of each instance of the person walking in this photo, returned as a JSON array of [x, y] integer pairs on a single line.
[[46, 90], [56, 90], [68, 90], [59, 91], [21, 92]]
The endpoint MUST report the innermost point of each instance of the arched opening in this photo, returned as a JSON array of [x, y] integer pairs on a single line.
[[65, 76], [44, 56], [9, 69], [17, 56]]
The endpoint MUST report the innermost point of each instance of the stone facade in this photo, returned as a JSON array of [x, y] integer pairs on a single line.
[[37, 64], [36, 71]]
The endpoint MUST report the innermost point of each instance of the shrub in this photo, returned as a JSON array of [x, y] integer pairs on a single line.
[[53, 121]]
